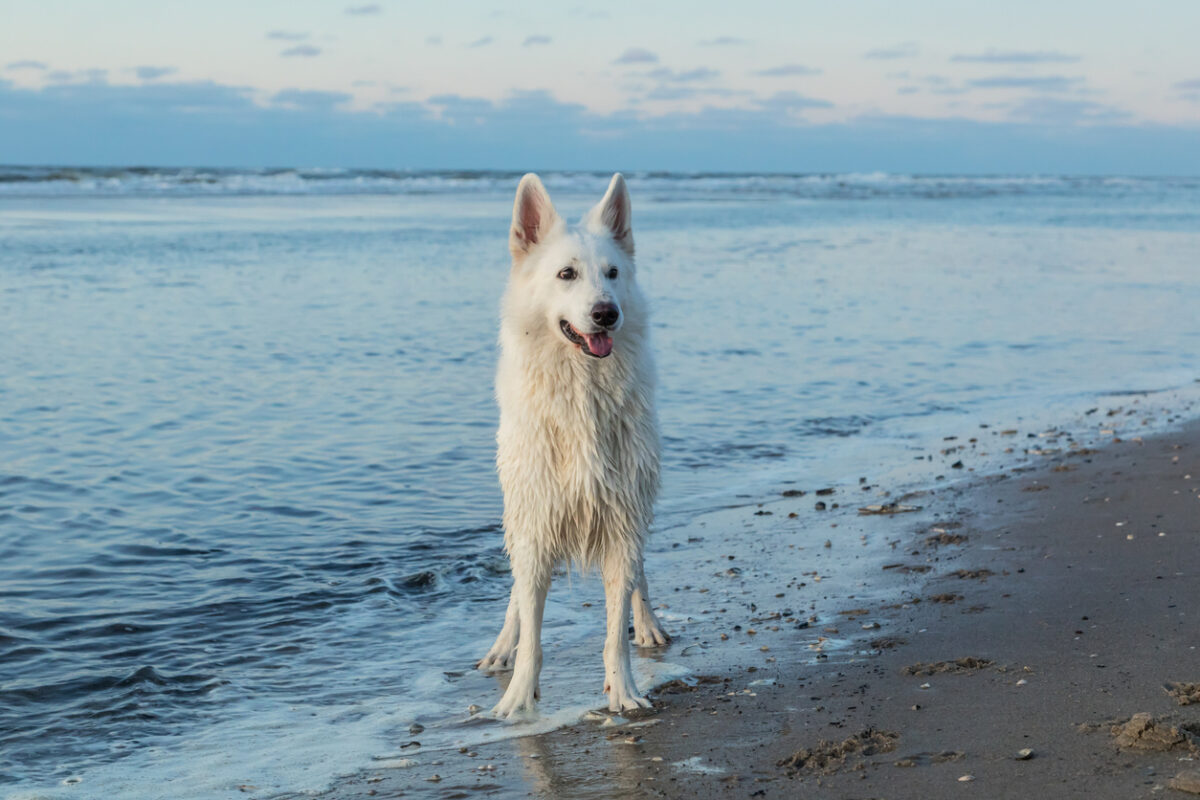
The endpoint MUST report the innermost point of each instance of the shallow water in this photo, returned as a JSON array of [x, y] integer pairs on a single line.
[[248, 517]]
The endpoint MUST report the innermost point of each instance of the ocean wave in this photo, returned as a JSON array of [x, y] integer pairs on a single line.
[[50, 181]]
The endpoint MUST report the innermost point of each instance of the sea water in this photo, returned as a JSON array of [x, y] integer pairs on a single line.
[[249, 520]]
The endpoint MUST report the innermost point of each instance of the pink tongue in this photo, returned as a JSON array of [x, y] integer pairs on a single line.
[[600, 344]]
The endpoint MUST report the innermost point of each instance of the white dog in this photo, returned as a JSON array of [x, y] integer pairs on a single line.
[[578, 445]]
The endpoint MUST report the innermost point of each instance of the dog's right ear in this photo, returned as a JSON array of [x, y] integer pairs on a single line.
[[533, 219]]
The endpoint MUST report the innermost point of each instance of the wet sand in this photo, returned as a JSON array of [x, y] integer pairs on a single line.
[[1018, 624]]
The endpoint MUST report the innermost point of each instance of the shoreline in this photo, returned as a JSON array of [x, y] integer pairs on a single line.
[[985, 572]]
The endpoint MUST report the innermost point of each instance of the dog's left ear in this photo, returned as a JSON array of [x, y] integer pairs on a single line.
[[613, 214]]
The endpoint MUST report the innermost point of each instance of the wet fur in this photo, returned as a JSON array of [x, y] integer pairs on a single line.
[[578, 445]]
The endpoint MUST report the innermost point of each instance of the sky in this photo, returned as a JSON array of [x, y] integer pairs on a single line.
[[861, 85]]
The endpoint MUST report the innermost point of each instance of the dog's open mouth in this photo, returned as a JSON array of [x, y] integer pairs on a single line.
[[598, 344]]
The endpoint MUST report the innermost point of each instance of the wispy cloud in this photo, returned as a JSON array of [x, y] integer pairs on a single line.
[[25, 64], [793, 101], [637, 55], [902, 50], [536, 39], [1188, 86], [302, 51], [309, 99], [784, 70], [687, 76], [91, 76], [433, 41], [287, 36], [1059, 111], [723, 41], [147, 73], [360, 11], [1043, 83], [991, 56], [482, 41]]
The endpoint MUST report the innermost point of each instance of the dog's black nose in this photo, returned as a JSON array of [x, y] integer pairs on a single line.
[[605, 314]]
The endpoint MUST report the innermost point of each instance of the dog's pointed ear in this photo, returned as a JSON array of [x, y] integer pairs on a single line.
[[614, 214], [533, 216]]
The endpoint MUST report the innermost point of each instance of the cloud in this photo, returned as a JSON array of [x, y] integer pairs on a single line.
[[1042, 83], [361, 11], [1060, 111], [722, 41], [88, 76], [433, 41], [483, 41], [208, 124], [1188, 86], [25, 64], [536, 39], [784, 70], [151, 73], [309, 99], [636, 55], [992, 56], [902, 50], [793, 101], [287, 36], [302, 50], [687, 76]]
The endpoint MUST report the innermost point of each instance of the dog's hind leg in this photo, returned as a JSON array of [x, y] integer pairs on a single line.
[[619, 574], [531, 582], [503, 653], [647, 630]]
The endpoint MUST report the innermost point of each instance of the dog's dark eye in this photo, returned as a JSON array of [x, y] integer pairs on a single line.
[[567, 273], [612, 273]]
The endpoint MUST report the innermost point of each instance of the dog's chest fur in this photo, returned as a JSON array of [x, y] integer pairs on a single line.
[[578, 450]]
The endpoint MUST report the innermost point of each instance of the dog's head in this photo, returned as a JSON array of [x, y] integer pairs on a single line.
[[575, 282]]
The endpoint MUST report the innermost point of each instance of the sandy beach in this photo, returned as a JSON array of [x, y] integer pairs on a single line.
[[1020, 623]]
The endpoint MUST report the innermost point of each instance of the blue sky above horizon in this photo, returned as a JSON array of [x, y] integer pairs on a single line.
[[927, 86]]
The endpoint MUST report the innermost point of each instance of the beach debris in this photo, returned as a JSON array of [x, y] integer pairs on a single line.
[[1144, 732], [941, 537], [946, 597], [1186, 781], [793, 493], [907, 568], [1024, 754], [690, 684], [434, 778], [474, 709], [825, 492], [965, 778], [829, 757], [886, 643], [820, 505], [972, 574], [958, 665], [1184, 693], [416, 728], [887, 508]]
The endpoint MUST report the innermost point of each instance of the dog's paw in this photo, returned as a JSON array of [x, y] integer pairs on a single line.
[[519, 700], [625, 697], [650, 633], [497, 660]]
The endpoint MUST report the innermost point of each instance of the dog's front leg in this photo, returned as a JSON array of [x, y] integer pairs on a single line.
[[531, 582], [503, 653], [647, 630], [619, 569]]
